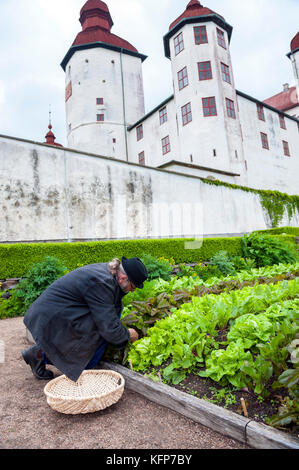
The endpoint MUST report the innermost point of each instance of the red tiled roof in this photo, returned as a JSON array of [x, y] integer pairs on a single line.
[[99, 35], [93, 5], [50, 138], [194, 8], [284, 100], [96, 24], [295, 42]]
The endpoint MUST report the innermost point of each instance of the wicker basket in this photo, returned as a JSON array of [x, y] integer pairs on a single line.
[[93, 391]]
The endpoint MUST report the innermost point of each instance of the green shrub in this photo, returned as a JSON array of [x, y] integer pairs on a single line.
[[205, 272], [39, 277], [157, 268], [223, 263], [267, 250], [242, 264], [11, 307]]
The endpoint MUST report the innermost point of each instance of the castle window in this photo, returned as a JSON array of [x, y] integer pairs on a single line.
[[200, 34], [260, 112], [265, 143], [282, 122], [178, 43], [100, 117], [225, 73], [183, 78], [286, 148], [209, 106], [165, 145], [186, 114], [139, 132], [141, 158], [221, 38], [230, 107], [163, 115], [204, 70], [100, 100]]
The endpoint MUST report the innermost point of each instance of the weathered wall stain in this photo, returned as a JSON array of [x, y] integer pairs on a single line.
[[108, 199]]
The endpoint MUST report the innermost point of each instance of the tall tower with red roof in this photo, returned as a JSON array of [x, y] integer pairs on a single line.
[[294, 56], [104, 85], [209, 128]]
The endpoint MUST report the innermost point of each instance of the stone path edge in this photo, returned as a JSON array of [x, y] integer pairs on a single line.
[[228, 423]]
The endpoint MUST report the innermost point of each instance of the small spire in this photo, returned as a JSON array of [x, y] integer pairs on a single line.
[[50, 137]]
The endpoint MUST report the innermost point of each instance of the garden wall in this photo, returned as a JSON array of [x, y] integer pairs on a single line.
[[57, 194]]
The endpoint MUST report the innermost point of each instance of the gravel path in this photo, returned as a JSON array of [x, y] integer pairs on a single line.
[[27, 422]]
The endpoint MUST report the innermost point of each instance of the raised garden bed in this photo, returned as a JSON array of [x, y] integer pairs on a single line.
[[224, 421]]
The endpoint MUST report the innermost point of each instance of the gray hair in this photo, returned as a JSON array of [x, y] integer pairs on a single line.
[[114, 266]]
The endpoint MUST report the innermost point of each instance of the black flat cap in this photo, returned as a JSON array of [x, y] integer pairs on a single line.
[[135, 270]]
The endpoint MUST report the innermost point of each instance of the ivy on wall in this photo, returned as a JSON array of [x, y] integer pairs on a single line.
[[273, 202]]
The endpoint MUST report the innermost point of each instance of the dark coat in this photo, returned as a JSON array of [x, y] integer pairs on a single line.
[[70, 317]]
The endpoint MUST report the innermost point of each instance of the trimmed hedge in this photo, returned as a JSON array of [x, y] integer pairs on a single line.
[[280, 230], [17, 258]]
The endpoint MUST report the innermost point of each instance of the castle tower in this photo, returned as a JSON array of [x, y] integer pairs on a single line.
[[294, 57], [208, 122], [104, 85]]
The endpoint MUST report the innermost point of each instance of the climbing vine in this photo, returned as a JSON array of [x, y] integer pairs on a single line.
[[273, 202]]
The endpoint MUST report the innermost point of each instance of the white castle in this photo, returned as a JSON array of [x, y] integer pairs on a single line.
[[206, 128]]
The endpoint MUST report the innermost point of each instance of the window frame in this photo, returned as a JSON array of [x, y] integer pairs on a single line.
[[225, 72], [265, 141], [139, 132], [230, 108], [200, 35], [99, 101], [221, 38], [178, 42], [286, 148], [163, 117], [141, 158], [282, 121], [209, 106], [182, 78], [205, 71], [166, 145], [187, 114], [100, 117], [260, 112]]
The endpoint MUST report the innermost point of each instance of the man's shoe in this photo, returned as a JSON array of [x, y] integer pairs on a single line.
[[33, 357]]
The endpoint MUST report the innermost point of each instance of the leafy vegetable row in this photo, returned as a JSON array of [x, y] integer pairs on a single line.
[[258, 322], [157, 286], [143, 314]]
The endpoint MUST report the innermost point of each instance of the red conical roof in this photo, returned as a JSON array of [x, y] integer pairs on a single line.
[[96, 24], [295, 42], [50, 138], [193, 9]]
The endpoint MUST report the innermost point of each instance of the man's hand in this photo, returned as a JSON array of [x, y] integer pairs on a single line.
[[133, 335]]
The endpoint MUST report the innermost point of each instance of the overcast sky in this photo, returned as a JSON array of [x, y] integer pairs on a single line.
[[36, 35]]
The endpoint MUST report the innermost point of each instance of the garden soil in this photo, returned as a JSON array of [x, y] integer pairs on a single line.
[[27, 422]]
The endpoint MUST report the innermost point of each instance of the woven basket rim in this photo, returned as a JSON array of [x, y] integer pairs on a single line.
[[85, 372]]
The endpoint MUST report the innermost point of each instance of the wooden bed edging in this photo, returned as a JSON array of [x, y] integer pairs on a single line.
[[228, 423]]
